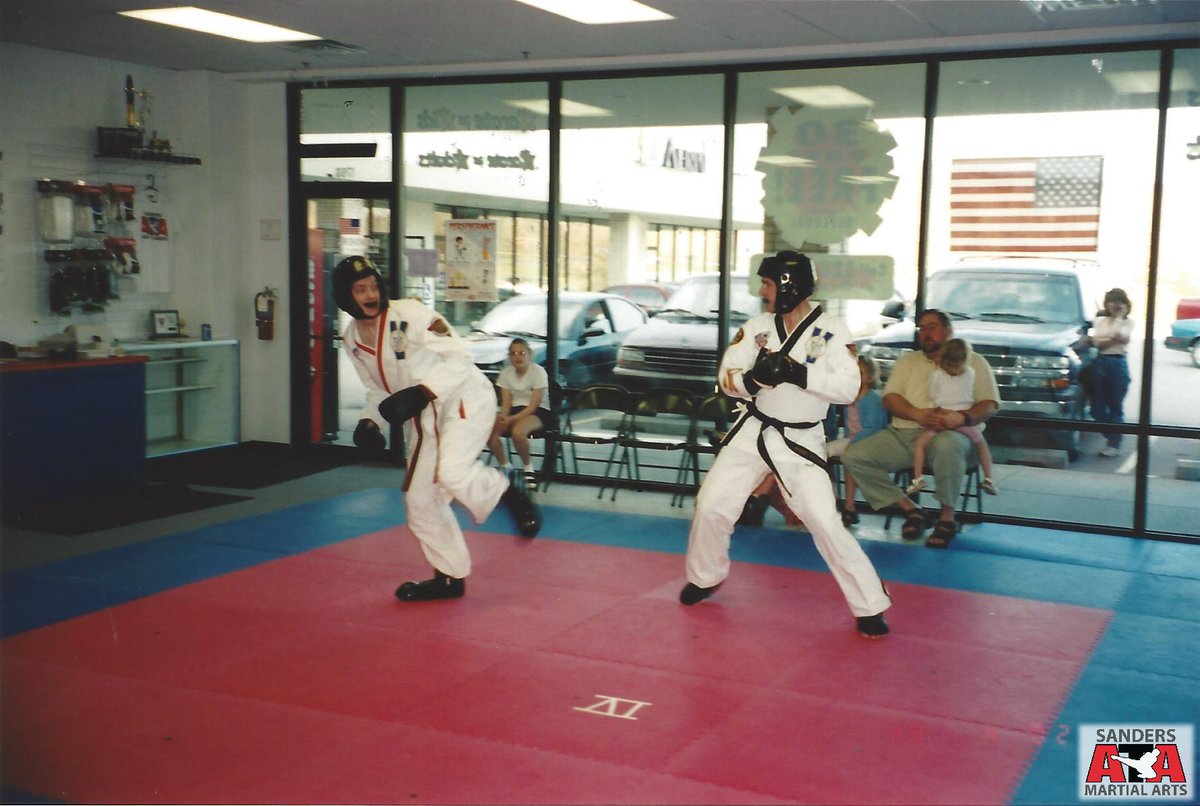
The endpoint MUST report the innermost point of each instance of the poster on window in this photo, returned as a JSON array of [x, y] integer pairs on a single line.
[[470, 260]]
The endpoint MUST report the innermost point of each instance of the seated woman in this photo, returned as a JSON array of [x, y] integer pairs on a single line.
[[524, 407]]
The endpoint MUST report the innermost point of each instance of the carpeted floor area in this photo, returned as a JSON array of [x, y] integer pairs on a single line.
[[247, 466], [84, 514]]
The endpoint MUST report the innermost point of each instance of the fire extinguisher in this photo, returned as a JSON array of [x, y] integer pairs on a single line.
[[264, 314]]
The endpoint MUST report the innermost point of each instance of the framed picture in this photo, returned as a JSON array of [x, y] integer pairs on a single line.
[[164, 324]]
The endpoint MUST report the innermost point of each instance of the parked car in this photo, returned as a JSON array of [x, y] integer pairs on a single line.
[[650, 297], [591, 326], [678, 347], [1028, 317], [1185, 330]]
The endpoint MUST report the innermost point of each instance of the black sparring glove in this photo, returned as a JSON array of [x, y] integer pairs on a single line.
[[405, 404], [772, 369], [368, 437]]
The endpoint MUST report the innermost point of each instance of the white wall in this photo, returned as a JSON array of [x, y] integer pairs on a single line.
[[50, 106]]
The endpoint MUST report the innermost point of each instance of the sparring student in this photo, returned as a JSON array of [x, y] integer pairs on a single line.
[[418, 371], [788, 365]]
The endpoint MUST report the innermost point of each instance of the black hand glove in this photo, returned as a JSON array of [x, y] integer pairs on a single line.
[[368, 437], [405, 404], [772, 369]]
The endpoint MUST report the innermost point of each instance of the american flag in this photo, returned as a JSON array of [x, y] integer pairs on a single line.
[[348, 226], [1031, 204]]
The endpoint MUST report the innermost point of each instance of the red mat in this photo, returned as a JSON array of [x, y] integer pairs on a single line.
[[569, 674]]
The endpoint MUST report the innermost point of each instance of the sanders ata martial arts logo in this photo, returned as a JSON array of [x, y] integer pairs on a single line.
[[1136, 762]]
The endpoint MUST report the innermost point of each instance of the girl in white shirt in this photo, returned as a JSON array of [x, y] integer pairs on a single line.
[[524, 410]]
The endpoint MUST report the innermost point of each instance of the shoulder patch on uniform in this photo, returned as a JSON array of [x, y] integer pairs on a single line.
[[737, 337], [439, 327]]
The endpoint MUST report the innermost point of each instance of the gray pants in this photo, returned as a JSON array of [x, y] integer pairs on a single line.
[[873, 460]]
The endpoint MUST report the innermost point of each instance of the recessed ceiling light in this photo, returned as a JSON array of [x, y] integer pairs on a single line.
[[600, 12], [211, 22], [827, 96]]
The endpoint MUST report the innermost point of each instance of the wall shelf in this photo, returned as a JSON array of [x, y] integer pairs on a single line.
[[192, 394]]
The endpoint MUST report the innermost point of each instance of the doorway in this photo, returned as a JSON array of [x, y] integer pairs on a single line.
[[339, 228]]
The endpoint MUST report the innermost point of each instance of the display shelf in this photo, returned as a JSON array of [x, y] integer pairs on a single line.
[[191, 393]]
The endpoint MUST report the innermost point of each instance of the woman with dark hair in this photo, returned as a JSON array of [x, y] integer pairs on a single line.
[[1110, 372]]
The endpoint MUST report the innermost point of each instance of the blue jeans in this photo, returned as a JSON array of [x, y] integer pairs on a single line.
[[1110, 382]]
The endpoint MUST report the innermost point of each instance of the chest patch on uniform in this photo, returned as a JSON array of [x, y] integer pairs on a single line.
[[399, 338], [762, 340], [817, 344]]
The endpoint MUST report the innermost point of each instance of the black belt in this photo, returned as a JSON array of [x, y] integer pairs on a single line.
[[778, 425]]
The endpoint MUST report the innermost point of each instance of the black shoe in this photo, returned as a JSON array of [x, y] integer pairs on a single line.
[[849, 517], [754, 510], [531, 481], [440, 587], [524, 511], [692, 594], [872, 626]]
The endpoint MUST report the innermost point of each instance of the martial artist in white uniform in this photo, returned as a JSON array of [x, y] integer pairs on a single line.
[[417, 371], [788, 365]]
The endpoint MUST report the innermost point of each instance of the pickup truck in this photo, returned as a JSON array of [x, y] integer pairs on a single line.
[[1029, 317]]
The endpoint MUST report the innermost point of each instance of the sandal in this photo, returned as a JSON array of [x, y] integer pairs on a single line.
[[914, 525], [943, 533]]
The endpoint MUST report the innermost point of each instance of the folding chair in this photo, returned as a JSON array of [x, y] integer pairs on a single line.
[[662, 420], [972, 488], [598, 414], [547, 433], [713, 417]]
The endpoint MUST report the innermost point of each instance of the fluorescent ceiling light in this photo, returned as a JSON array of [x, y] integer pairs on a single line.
[[786, 161], [867, 180], [1145, 82], [210, 22], [828, 96], [570, 109], [600, 12]]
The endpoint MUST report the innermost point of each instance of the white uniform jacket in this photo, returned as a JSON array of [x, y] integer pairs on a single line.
[[414, 345], [833, 377]]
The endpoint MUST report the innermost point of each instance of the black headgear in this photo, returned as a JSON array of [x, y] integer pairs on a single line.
[[793, 276], [345, 275]]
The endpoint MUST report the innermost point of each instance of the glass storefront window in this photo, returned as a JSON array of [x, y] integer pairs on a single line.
[[1038, 197], [476, 184], [1177, 314], [345, 135], [1174, 463], [1041, 190], [833, 159]]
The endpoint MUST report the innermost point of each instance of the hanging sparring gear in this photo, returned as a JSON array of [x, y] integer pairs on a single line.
[[345, 275], [794, 278]]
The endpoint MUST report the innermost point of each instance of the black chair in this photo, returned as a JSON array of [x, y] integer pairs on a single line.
[[662, 420], [713, 417], [546, 433], [972, 487], [598, 414]]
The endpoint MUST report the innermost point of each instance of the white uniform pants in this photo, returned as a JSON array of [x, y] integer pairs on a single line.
[[734, 475], [451, 448]]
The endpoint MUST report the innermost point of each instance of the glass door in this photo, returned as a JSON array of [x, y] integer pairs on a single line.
[[337, 229]]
